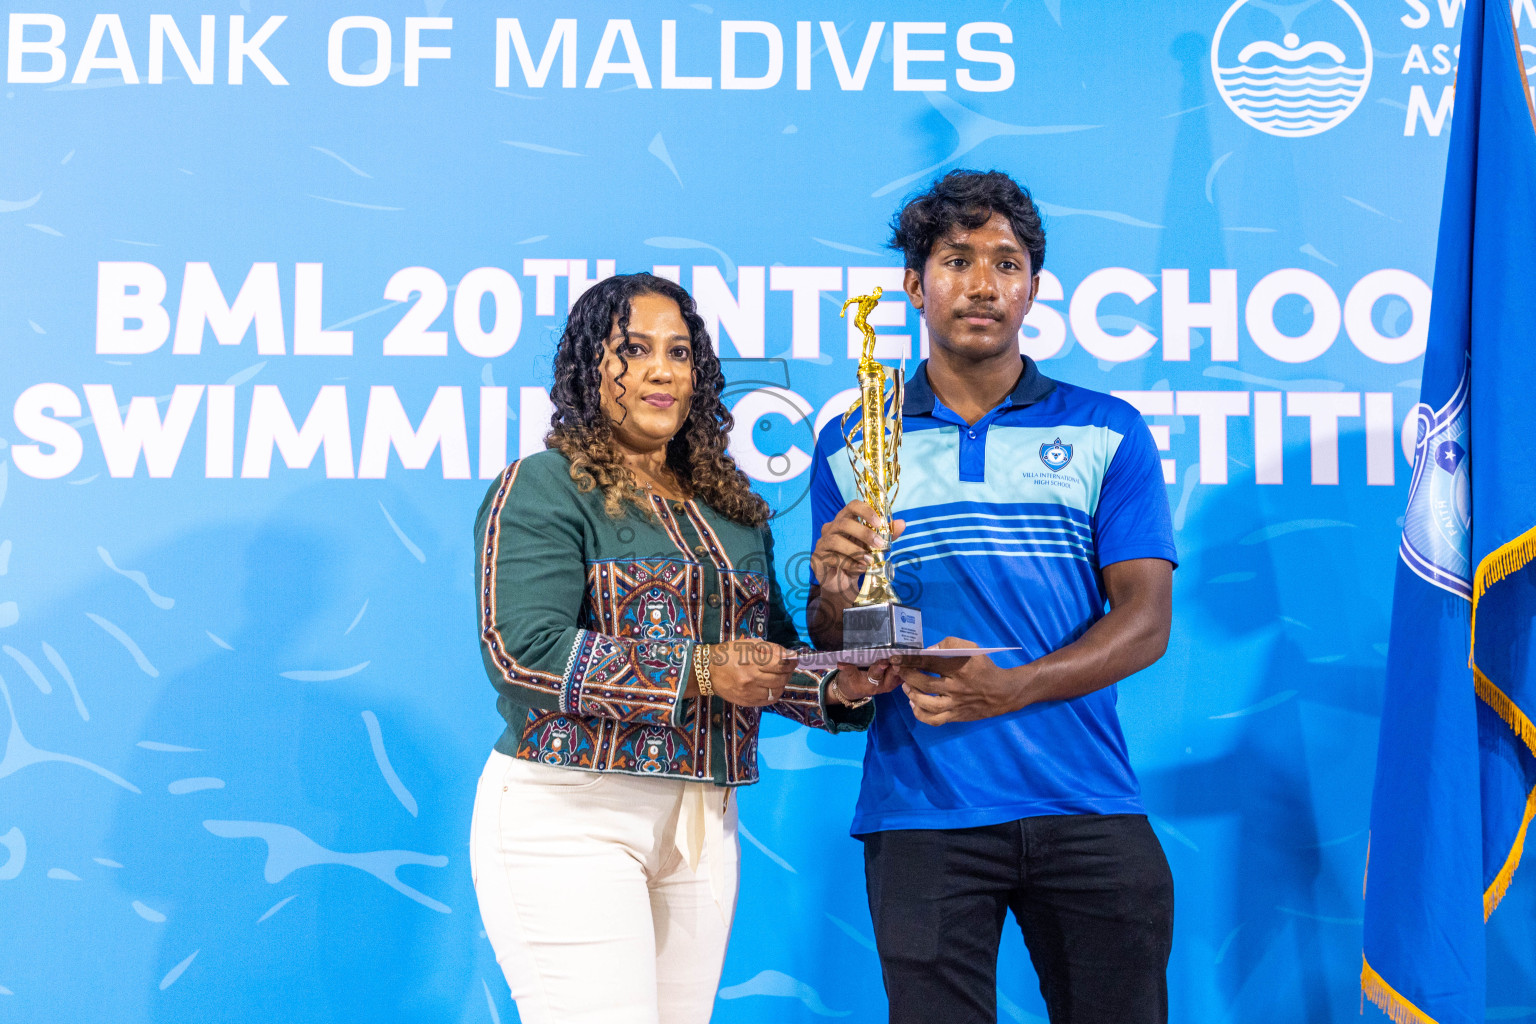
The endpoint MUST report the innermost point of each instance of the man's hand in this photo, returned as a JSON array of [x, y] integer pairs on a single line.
[[1132, 636], [844, 550], [944, 690], [840, 557]]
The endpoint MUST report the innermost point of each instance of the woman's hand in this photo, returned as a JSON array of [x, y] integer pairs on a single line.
[[854, 685], [752, 673]]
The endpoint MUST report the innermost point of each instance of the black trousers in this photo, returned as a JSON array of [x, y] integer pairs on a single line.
[[1091, 892]]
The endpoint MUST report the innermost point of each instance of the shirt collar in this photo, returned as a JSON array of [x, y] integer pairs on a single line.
[[1031, 388]]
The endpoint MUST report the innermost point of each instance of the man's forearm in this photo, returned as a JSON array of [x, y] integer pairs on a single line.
[[1122, 643]]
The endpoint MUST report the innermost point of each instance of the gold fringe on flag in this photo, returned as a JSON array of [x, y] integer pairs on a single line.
[[1496, 699], [1500, 884], [1501, 563], [1388, 998]]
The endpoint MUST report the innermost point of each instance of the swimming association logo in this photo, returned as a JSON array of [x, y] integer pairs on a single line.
[[1291, 69], [1056, 455]]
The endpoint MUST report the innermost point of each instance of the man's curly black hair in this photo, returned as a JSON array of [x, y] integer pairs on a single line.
[[966, 199], [580, 430]]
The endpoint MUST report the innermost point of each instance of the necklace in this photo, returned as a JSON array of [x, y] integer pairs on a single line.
[[669, 490]]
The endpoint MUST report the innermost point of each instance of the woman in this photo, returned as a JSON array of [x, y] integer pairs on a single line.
[[631, 624]]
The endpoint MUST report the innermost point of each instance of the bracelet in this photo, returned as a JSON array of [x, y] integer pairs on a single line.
[[701, 670], [837, 691]]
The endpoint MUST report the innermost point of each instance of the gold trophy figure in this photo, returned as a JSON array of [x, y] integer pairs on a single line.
[[877, 618]]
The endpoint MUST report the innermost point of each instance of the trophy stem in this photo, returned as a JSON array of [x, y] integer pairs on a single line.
[[876, 589], [872, 453], [876, 453]]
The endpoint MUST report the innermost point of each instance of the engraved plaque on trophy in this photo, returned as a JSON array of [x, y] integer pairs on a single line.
[[877, 618]]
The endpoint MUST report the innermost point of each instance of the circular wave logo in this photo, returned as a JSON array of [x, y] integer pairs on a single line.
[[1291, 69]]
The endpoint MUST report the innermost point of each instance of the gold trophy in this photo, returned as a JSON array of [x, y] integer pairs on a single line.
[[877, 618]]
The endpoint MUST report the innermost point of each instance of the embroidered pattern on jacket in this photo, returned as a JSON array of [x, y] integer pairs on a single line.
[[624, 679], [741, 724], [712, 545], [553, 738], [511, 672], [618, 692], [645, 599], [653, 750], [664, 516], [744, 609], [599, 744]]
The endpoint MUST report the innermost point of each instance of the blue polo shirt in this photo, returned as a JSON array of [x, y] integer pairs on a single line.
[[1010, 522]]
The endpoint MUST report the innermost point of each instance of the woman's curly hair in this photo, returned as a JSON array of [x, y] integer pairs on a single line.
[[581, 431]]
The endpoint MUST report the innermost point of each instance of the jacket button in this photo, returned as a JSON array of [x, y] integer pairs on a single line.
[[698, 549], [677, 506], [716, 718], [714, 600]]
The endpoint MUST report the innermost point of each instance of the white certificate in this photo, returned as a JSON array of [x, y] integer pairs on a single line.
[[864, 656]]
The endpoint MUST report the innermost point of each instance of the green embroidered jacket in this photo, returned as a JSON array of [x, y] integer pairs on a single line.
[[588, 626]]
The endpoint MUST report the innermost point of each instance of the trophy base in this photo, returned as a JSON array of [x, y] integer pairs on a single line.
[[883, 625]]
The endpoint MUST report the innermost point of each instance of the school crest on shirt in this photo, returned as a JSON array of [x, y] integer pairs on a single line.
[[1056, 455]]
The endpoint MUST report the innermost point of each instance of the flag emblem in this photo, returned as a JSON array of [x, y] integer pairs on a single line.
[[1437, 528]]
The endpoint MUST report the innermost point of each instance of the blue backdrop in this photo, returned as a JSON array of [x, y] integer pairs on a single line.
[[244, 706]]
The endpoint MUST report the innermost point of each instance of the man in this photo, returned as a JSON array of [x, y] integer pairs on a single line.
[[1002, 783]]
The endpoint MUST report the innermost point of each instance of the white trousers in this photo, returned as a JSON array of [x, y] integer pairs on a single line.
[[607, 898]]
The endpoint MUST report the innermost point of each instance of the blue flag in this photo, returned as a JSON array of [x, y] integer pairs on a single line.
[[1456, 770]]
